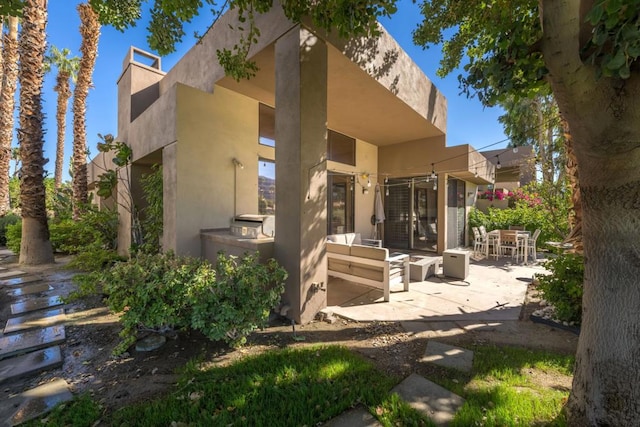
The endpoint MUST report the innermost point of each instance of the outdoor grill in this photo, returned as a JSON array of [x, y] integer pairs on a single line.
[[253, 226]]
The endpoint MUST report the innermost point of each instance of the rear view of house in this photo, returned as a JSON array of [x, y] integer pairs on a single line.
[[306, 140]]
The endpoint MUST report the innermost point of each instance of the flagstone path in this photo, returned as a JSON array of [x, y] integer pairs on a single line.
[[29, 344]]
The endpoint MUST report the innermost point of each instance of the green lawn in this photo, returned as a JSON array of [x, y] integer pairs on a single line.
[[305, 386]]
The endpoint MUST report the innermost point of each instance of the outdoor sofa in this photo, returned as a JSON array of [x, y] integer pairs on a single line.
[[368, 265]]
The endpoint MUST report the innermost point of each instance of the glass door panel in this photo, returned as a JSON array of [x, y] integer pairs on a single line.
[[340, 204], [425, 215]]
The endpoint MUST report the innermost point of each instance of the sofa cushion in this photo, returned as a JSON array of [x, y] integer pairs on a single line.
[[370, 252], [336, 238], [352, 238], [337, 248]]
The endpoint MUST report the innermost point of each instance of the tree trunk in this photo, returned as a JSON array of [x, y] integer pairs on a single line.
[[575, 217], [1, 33], [90, 31], [603, 115], [35, 247], [7, 106], [64, 93]]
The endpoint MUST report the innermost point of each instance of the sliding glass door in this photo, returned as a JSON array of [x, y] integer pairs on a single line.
[[411, 211]]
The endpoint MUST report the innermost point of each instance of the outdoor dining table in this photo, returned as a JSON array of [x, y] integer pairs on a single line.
[[523, 235]]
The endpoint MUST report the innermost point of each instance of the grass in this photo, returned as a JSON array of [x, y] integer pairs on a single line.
[[505, 387], [307, 386]]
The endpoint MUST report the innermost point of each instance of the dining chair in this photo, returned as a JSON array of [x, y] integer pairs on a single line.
[[479, 242], [517, 227], [531, 244], [509, 242]]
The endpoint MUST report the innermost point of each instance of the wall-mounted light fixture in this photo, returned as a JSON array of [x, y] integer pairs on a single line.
[[238, 163]]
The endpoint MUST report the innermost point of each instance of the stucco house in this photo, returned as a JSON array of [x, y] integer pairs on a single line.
[[514, 168], [322, 122]]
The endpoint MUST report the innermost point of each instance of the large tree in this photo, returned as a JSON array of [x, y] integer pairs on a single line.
[[9, 79], [67, 70], [587, 51], [35, 247], [90, 31]]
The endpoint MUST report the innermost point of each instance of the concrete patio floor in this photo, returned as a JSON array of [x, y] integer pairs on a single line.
[[494, 291]]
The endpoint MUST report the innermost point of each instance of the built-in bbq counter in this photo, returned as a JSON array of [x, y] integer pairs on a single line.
[[220, 239]]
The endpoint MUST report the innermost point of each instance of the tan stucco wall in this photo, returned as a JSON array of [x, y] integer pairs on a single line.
[[366, 161], [394, 69], [212, 130], [156, 127], [137, 88], [199, 67]]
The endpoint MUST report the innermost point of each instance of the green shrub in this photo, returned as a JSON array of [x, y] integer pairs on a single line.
[[238, 301], [563, 287], [163, 291], [93, 235], [531, 217], [14, 235], [151, 221], [5, 221]]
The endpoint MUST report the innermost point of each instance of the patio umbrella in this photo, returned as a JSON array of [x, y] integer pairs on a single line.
[[378, 211], [378, 207]]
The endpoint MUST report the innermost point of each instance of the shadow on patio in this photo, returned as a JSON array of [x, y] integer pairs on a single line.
[[494, 291]]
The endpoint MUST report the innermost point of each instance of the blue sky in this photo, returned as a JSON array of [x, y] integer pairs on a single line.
[[468, 121]]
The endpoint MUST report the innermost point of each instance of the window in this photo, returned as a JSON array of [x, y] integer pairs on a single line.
[[341, 148], [267, 125], [340, 204], [266, 187]]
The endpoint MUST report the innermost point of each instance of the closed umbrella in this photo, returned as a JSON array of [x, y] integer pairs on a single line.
[[378, 209]]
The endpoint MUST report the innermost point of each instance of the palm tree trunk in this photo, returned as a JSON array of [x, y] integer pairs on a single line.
[[7, 106], [1, 33], [35, 247], [90, 31], [64, 93], [575, 218]]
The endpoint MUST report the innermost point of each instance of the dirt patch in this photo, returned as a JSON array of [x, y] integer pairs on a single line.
[[92, 333]]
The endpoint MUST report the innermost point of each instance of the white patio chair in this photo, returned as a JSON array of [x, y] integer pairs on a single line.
[[531, 244], [479, 242]]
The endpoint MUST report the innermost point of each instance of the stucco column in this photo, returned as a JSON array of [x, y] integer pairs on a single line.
[[301, 179], [169, 196]]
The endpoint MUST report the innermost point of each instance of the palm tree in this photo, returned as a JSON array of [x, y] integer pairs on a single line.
[[7, 105], [90, 31], [35, 247], [1, 33], [67, 69]]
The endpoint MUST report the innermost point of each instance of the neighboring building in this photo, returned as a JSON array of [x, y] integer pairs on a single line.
[[517, 168], [327, 118], [514, 168]]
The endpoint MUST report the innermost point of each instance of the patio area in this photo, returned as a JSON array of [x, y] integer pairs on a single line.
[[494, 291]]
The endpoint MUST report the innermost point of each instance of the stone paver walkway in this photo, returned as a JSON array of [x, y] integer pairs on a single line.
[[35, 304], [30, 345], [448, 356], [34, 402], [36, 319], [429, 398], [15, 344]]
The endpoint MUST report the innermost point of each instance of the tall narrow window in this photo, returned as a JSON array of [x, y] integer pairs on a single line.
[[266, 187], [341, 148], [267, 125], [340, 204]]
